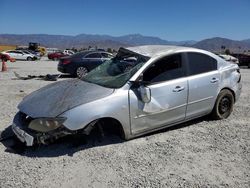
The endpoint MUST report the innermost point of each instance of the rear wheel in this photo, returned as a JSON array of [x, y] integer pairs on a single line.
[[29, 59], [224, 105], [81, 72]]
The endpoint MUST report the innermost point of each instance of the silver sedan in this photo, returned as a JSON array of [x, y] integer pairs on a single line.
[[140, 90]]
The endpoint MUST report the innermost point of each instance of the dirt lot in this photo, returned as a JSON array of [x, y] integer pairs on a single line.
[[202, 153]]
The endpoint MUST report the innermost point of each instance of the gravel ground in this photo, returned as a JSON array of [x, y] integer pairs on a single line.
[[200, 153]]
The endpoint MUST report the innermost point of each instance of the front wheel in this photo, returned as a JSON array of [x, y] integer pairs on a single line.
[[224, 105], [81, 72]]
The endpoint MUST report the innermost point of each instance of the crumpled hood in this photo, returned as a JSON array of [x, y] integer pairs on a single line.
[[56, 98]]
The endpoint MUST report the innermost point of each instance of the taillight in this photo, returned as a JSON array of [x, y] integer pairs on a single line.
[[66, 61]]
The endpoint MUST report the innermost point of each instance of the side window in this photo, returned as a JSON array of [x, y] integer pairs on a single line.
[[200, 63], [167, 68], [93, 55], [106, 55]]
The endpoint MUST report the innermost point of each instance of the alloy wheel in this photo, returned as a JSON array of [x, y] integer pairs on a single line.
[[81, 72]]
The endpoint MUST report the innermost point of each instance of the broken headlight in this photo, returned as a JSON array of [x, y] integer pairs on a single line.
[[46, 124]]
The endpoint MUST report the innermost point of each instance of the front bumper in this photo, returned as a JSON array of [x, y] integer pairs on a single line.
[[61, 69], [31, 137]]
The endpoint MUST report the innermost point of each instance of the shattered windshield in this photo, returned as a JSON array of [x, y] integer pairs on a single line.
[[114, 73]]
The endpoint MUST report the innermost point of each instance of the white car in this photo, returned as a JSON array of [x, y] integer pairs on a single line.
[[68, 52], [36, 56], [19, 55], [229, 58]]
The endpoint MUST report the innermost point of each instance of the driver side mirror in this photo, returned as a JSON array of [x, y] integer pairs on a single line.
[[145, 94], [143, 90]]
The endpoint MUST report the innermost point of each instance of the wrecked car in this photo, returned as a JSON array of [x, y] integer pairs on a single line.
[[142, 89]]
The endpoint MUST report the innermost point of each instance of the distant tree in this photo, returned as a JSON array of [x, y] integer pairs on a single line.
[[227, 51], [239, 48], [109, 50], [74, 49], [82, 49]]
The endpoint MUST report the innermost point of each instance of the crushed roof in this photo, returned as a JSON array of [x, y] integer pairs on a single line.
[[155, 50]]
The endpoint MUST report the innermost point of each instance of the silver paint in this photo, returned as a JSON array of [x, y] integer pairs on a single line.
[[82, 103]]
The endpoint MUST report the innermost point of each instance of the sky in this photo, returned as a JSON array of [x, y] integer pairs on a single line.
[[173, 20]]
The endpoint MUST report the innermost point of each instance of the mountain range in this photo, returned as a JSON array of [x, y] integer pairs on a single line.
[[107, 41]]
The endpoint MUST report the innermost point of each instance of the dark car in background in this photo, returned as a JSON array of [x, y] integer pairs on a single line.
[[56, 55], [81, 63]]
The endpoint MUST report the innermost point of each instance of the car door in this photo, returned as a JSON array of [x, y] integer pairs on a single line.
[[18, 55], [203, 81], [21, 55], [166, 79]]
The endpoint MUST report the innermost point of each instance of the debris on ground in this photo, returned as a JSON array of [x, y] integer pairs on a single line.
[[47, 77]]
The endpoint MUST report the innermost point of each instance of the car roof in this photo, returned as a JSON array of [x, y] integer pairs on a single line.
[[156, 50]]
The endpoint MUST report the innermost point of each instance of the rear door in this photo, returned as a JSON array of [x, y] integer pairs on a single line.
[[92, 60], [21, 55], [203, 81], [168, 85]]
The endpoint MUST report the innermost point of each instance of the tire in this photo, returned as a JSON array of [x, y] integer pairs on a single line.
[[81, 72], [248, 65], [224, 105], [29, 59]]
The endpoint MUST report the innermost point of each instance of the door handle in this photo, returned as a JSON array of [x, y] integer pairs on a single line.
[[178, 89], [214, 80]]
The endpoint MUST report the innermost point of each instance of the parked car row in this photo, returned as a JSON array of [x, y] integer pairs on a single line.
[[81, 63]]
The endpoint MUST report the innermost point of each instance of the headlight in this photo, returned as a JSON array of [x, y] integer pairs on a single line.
[[46, 124]]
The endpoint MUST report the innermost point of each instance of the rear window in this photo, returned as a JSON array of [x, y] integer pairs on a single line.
[[93, 55], [106, 55], [79, 54], [200, 63]]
